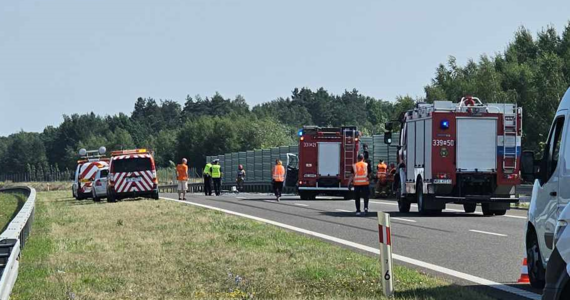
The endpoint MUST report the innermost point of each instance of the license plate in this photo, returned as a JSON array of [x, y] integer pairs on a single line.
[[136, 179], [442, 181]]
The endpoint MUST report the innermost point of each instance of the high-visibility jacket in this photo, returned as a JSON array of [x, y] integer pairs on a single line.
[[216, 171], [361, 173], [381, 168], [207, 169], [279, 173], [182, 172]]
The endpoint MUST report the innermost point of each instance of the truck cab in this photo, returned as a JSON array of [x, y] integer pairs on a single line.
[[550, 193]]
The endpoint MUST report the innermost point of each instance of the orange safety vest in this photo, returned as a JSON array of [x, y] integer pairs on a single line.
[[182, 172], [361, 173], [382, 169], [279, 173]]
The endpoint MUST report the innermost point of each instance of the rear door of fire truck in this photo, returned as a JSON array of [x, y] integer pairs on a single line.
[[476, 144]]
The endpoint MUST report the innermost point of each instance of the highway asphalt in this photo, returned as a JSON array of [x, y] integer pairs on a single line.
[[488, 247]]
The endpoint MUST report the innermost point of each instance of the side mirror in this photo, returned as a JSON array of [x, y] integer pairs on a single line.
[[528, 163], [388, 137]]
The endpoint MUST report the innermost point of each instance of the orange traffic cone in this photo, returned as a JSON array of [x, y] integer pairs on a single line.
[[524, 272]]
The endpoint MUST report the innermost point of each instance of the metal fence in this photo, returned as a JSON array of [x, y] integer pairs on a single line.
[[50, 176], [167, 176], [258, 163], [13, 240]]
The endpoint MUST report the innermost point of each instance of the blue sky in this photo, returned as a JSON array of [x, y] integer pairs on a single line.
[[62, 57]]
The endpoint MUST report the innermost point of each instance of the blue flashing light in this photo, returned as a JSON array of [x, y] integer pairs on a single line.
[[444, 124], [300, 132]]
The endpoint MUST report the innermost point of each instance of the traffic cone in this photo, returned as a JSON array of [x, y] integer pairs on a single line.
[[524, 272]]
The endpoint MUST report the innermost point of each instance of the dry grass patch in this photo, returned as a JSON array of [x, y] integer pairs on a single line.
[[151, 249]]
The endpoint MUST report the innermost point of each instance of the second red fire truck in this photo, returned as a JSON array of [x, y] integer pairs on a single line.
[[326, 157], [466, 153]]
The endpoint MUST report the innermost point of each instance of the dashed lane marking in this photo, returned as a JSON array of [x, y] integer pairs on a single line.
[[487, 232]]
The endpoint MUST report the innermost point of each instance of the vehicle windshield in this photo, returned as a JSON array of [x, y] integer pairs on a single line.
[[104, 173], [132, 165]]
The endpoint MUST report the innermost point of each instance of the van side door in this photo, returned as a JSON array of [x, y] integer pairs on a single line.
[[545, 208]]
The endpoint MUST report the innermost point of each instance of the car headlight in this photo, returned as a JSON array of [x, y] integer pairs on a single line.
[[560, 227]]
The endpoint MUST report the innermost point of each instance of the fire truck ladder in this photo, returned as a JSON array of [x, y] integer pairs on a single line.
[[349, 136], [510, 131]]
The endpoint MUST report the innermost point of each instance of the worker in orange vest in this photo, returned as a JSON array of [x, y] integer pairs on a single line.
[[278, 174], [182, 177], [360, 180], [381, 172]]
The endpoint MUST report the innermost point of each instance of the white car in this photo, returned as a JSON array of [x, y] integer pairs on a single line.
[[100, 184], [550, 194], [557, 271]]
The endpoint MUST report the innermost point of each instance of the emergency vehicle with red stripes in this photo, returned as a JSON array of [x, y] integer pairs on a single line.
[[87, 166], [466, 153], [132, 173]]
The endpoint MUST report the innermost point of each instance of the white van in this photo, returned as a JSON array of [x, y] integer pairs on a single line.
[[550, 194]]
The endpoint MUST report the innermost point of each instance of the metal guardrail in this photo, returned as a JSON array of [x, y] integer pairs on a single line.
[[13, 239], [249, 186], [265, 187]]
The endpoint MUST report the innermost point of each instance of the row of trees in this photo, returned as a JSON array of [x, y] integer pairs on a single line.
[[200, 127], [532, 72]]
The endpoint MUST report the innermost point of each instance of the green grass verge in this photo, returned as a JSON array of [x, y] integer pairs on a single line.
[[10, 204], [164, 250]]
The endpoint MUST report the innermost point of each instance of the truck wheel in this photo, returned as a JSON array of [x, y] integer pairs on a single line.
[[500, 212], [348, 196], [155, 195], [486, 210], [111, 198], [470, 207], [404, 205], [304, 195], [536, 272], [421, 199]]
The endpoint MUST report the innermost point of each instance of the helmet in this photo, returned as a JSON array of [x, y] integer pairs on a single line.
[[240, 167]]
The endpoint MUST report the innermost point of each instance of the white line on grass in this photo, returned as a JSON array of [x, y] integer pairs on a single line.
[[487, 232], [412, 261]]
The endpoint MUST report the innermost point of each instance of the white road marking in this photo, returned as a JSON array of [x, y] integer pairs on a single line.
[[412, 261], [487, 232], [300, 204], [387, 203], [402, 219], [343, 210], [241, 197]]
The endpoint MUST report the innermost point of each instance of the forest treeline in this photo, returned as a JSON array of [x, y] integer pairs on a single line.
[[533, 71]]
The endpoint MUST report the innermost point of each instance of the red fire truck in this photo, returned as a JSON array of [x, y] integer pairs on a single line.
[[326, 157], [466, 153]]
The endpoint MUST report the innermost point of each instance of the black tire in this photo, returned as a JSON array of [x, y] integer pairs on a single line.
[[404, 205], [469, 207], [421, 199], [486, 210], [348, 195], [536, 271], [111, 198], [500, 212], [304, 195], [155, 195], [312, 196]]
